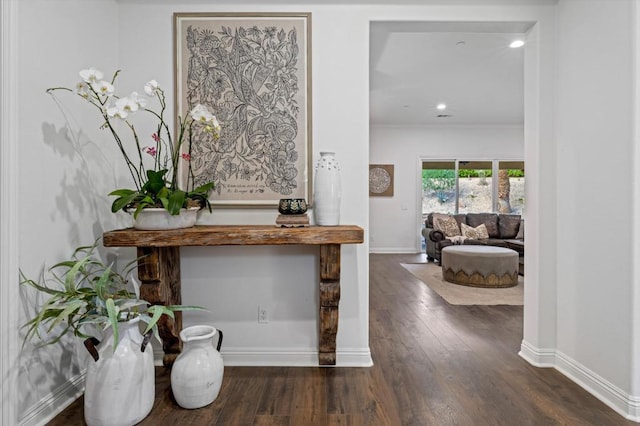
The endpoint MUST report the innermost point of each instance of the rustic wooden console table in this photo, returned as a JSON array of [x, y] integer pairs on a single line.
[[159, 268]]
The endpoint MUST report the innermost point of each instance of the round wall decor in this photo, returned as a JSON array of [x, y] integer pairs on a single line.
[[381, 180]]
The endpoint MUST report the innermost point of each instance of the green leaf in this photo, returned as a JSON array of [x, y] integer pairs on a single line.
[[155, 181], [176, 201], [113, 320], [62, 315], [173, 308], [122, 202], [26, 281], [122, 192], [204, 189], [136, 287], [157, 311], [71, 276], [102, 282], [128, 304]]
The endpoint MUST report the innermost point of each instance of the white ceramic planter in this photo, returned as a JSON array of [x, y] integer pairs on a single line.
[[120, 386], [150, 219], [327, 190], [196, 375]]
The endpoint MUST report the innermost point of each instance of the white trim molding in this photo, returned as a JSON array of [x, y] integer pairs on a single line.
[[617, 399], [394, 250], [9, 292], [267, 357], [537, 357], [54, 403], [635, 285]]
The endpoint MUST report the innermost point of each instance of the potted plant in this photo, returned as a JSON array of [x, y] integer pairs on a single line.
[[154, 167], [90, 300]]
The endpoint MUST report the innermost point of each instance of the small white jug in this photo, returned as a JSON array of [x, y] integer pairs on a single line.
[[196, 375]]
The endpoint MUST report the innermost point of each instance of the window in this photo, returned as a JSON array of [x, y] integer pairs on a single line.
[[475, 189], [438, 187], [474, 186], [510, 187]]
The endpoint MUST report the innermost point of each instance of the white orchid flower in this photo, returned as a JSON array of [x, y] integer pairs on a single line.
[[127, 104], [216, 124], [91, 75], [82, 89], [151, 88], [114, 110], [202, 114], [142, 102], [216, 127], [103, 88]]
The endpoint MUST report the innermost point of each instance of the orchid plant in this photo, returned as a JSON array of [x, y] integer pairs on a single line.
[[156, 185]]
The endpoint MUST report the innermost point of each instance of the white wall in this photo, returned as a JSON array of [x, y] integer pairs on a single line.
[[64, 171], [595, 187], [395, 222]]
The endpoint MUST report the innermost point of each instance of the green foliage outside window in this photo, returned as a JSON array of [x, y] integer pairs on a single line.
[[440, 182], [487, 173], [474, 173]]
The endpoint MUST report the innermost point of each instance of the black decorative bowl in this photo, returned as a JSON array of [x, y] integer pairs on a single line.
[[292, 206]]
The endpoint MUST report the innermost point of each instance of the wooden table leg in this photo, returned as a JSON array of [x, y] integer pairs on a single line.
[[329, 299], [159, 273]]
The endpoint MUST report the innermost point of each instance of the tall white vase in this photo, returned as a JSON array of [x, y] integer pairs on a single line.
[[327, 190], [120, 385], [196, 375]]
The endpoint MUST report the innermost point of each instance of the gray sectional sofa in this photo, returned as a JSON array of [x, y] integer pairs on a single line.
[[505, 230]]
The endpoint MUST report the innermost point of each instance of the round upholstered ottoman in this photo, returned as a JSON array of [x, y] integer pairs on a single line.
[[480, 266]]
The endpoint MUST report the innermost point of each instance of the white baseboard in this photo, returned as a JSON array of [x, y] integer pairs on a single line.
[[261, 357], [537, 357], [393, 250], [354, 358], [620, 401], [54, 403]]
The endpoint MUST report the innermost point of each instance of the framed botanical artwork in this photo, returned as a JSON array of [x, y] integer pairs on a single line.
[[253, 71], [381, 180]]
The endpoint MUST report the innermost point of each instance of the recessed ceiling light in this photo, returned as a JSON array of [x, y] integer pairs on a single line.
[[516, 43], [441, 107], [461, 43]]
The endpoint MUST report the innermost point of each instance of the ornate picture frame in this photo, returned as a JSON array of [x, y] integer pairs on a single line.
[[381, 180], [253, 71]]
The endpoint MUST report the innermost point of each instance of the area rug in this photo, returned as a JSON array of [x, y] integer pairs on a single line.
[[456, 294]]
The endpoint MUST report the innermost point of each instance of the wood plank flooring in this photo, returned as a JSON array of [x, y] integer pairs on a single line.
[[435, 364]]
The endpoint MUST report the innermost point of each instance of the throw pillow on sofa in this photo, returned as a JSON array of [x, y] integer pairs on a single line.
[[490, 220], [477, 233], [447, 225]]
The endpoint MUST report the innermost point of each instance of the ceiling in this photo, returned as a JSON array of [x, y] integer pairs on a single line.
[[469, 66]]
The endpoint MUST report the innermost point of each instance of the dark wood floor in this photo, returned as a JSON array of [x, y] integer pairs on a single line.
[[435, 364]]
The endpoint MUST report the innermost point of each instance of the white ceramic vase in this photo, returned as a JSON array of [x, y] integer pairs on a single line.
[[327, 190], [153, 219], [196, 375], [120, 385]]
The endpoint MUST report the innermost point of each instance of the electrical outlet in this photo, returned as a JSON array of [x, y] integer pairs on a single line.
[[263, 315]]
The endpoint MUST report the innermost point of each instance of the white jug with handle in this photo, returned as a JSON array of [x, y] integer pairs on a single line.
[[196, 375]]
